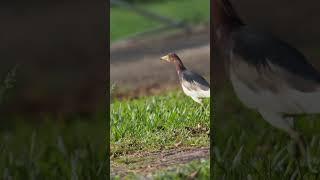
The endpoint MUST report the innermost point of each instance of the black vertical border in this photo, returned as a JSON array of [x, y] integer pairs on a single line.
[[107, 43], [211, 95]]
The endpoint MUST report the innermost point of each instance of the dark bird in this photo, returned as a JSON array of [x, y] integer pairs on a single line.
[[266, 73], [192, 84]]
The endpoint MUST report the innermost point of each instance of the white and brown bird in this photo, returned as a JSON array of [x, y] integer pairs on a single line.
[[267, 74], [192, 84]]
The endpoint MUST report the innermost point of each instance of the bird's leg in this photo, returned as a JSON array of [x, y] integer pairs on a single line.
[[301, 146], [287, 124], [203, 106], [303, 149], [197, 100]]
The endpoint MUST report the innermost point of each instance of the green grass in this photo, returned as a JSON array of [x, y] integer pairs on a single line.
[[247, 147], [197, 169], [156, 123], [124, 23], [54, 150]]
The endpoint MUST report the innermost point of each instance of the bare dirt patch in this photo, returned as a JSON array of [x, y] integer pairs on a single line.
[[149, 162]]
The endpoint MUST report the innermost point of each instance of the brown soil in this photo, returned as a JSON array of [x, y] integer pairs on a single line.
[[149, 162]]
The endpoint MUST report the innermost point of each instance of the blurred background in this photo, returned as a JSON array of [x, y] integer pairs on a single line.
[[143, 31], [53, 89], [60, 55]]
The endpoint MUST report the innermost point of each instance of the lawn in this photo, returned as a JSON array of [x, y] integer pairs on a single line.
[[154, 123], [196, 169], [51, 149], [247, 147], [124, 23]]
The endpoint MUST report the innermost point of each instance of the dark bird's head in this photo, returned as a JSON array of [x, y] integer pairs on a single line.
[[171, 57], [174, 58]]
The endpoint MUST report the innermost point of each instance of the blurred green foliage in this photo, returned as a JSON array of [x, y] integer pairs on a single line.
[[145, 1], [125, 23], [53, 150]]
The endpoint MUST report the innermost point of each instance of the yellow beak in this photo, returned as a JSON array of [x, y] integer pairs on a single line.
[[165, 58]]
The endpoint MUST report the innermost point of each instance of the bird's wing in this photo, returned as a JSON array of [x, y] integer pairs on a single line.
[[274, 59], [193, 81]]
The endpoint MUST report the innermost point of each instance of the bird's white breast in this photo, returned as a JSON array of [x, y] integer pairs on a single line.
[[197, 94], [288, 100]]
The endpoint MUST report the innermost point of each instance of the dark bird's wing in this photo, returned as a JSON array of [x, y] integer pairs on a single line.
[[274, 59], [193, 81]]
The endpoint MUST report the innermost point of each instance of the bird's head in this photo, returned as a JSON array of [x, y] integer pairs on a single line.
[[171, 57]]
